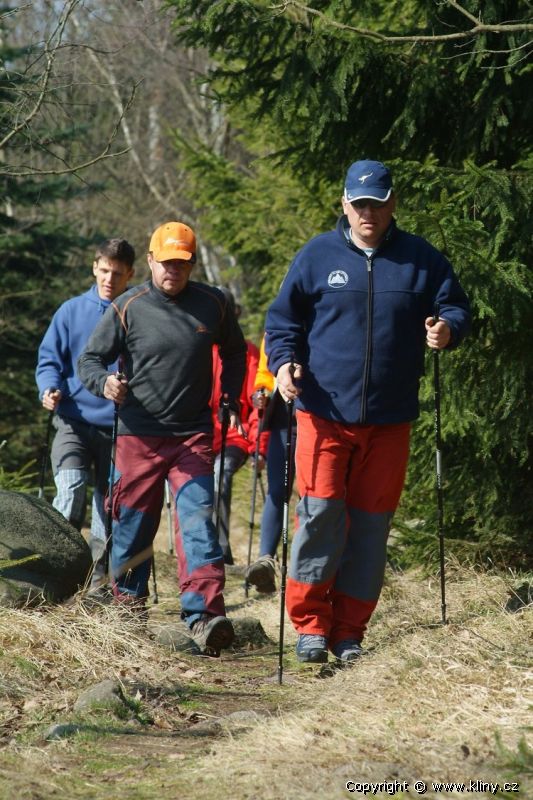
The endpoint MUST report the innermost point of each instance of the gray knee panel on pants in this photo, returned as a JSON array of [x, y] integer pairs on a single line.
[[319, 541], [363, 562]]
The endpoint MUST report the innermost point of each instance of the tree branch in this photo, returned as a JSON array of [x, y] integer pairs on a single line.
[[477, 29], [106, 71], [89, 163], [462, 10], [50, 52], [12, 11]]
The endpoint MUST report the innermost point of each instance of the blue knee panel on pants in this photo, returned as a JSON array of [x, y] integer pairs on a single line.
[[194, 509], [134, 532], [193, 605]]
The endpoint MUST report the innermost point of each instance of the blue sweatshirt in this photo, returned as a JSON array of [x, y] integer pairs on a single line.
[[63, 343], [356, 323]]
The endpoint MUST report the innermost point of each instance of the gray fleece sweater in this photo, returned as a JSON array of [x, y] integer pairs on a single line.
[[164, 344]]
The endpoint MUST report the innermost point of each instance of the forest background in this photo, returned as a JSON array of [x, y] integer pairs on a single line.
[[240, 118]]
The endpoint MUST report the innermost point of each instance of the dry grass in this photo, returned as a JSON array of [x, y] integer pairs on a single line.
[[427, 702]]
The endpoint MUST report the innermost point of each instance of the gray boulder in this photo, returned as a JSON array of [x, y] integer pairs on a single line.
[[59, 559], [249, 634], [176, 636], [60, 730], [108, 692]]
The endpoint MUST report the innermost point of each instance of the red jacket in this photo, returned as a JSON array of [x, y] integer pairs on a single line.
[[248, 415]]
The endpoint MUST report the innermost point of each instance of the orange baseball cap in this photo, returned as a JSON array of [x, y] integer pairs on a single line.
[[173, 240]]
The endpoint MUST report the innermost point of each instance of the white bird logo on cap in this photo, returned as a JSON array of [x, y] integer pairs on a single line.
[[364, 177]]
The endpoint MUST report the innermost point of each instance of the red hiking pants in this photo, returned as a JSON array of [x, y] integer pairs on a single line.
[[350, 478], [143, 463]]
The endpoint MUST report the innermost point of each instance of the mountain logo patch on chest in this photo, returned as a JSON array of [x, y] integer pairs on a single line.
[[337, 279]]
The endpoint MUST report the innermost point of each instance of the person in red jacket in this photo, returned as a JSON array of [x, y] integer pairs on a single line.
[[238, 447]]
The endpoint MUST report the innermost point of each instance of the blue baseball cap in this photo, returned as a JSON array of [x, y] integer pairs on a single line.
[[368, 179]]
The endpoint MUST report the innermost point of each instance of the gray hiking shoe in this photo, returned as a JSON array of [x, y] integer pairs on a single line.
[[262, 575], [212, 634], [347, 650], [312, 647]]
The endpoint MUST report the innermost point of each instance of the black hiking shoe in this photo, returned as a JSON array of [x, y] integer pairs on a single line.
[[347, 650], [312, 647], [212, 634], [262, 575]]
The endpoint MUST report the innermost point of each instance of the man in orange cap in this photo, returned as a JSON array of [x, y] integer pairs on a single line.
[[163, 332]]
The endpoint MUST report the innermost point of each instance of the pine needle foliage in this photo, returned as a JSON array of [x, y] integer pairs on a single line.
[[486, 405], [332, 91]]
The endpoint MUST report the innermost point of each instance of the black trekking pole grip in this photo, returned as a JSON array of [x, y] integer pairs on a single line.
[[438, 468]]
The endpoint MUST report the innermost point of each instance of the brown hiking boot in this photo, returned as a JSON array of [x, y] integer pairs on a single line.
[[262, 575], [212, 634]]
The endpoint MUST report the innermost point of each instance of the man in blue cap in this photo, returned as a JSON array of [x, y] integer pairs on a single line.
[[345, 339]]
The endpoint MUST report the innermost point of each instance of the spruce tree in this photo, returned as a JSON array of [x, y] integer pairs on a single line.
[[454, 122]]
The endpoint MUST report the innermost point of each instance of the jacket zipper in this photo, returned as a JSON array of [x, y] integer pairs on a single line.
[[368, 354]]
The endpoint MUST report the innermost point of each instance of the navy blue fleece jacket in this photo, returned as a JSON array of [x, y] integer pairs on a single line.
[[356, 323]]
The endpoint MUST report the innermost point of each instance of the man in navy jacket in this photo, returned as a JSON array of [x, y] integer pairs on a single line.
[[345, 339], [83, 422]]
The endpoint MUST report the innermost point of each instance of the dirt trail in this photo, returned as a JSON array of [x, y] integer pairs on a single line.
[[428, 701]]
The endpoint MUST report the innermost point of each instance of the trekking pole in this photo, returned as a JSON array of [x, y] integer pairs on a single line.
[[111, 483], [154, 581], [289, 404], [224, 406], [45, 447], [438, 442], [254, 493], [169, 518]]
